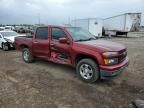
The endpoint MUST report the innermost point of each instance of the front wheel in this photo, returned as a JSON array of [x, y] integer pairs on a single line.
[[5, 47], [27, 56], [87, 70]]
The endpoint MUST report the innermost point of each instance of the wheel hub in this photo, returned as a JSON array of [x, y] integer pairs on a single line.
[[26, 55], [86, 71]]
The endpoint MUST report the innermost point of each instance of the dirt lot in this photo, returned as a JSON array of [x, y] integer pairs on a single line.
[[48, 85]]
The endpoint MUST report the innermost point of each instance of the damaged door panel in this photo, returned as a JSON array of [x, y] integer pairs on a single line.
[[60, 51]]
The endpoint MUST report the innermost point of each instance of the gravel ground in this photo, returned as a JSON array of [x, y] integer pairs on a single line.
[[48, 85]]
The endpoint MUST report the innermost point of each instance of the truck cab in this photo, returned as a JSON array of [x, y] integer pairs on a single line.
[[93, 58]]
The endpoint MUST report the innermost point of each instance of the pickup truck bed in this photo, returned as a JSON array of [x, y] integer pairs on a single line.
[[21, 41]]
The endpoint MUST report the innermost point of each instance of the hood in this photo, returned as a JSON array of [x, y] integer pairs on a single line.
[[12, 38], [103, 45]]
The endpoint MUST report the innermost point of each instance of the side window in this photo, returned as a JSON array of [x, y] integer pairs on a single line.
[[0, 36], [42, 33], [57, 33]]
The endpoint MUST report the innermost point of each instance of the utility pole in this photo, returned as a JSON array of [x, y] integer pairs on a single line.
[[69, 20], [39, 18]]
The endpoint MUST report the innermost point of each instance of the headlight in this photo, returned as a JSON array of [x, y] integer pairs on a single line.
[[109, 54], [8, 40], [111, 61]]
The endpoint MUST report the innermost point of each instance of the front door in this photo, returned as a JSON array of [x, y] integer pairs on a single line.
[[60, 52], [41, 43]]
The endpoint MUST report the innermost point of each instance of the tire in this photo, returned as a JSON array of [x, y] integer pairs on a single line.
[[87, 70], [27, 55], [5, 46]]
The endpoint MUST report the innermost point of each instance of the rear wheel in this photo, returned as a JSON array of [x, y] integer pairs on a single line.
[[5, 47], [27, 56], [87, 70]]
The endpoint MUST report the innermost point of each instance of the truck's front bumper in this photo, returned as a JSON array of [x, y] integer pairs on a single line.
[[107, 72]]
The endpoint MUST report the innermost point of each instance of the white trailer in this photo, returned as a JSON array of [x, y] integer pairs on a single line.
[[93, 25], [122, 24]]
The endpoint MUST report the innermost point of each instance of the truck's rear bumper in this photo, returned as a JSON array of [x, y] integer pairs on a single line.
[[110, 71]]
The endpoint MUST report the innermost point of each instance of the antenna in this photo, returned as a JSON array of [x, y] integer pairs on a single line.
[[69, 20], [39, 18]]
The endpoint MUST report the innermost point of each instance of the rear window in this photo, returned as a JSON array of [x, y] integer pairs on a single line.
[[42, 33]]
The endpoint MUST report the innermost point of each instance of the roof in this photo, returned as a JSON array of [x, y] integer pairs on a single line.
[[88, 19], [59, 26], [6, 31], [121, 15]]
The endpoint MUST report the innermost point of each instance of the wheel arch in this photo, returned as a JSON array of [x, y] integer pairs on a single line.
[[23, 46], [84, 56]]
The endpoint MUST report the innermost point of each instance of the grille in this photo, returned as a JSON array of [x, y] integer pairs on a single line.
[[122, 55]]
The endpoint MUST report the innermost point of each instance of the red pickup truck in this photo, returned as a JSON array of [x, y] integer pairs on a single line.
[[93, 58]]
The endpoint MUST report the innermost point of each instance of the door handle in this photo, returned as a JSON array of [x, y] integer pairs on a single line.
[[52, 44], [35, 42]]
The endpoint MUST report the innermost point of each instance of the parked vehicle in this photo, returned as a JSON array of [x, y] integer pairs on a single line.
[[74, 46], [93, 25], [9, 28], [33, 28], [2, 28], [122, 24], [21, 30], [7, 39]]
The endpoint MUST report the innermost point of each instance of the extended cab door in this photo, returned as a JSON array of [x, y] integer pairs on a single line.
[[60, 52], [41, 43]]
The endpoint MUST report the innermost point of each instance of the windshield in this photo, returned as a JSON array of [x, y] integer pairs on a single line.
[[79, 34], [9, 34]]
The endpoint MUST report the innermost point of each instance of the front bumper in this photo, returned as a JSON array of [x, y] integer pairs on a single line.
[[107, 72], [10, 44]]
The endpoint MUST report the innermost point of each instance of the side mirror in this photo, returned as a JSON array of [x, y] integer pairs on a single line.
[[63, 40]]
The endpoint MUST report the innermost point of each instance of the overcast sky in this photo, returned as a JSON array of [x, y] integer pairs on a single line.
[[61, 11]]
